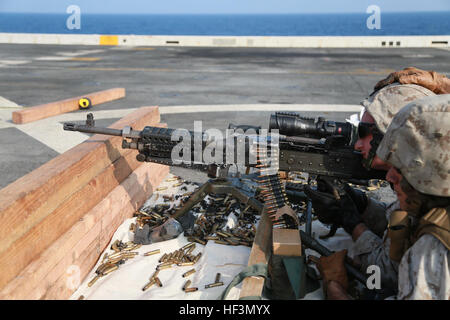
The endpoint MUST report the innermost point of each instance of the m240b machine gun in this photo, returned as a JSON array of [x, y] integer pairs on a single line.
[[315, 146]]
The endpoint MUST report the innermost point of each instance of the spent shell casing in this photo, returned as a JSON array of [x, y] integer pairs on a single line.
[[212, 285], [188, 273], [221, 242], [220, 233], [163, 258], [187, 284], [158, 282], [191, 289], [171, 179], [81, 297], [93, 280], [155, 274], [164, 267], [161, 188], [182, 264], [217, 277], [110, 269], [197, 257], [190, 244], [148, 285], [150, 253], [191, 248]]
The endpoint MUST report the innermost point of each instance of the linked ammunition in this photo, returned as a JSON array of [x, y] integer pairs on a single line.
[[212, 285], [150, 253], [188, 273]]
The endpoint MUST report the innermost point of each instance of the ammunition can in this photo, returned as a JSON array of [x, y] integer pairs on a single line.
[[188, 273]]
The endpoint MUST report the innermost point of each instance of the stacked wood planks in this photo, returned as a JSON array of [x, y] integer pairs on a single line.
[[56, 220], [42, 111]]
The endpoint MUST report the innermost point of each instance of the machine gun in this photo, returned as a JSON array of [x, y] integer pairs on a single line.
[[315, 146]]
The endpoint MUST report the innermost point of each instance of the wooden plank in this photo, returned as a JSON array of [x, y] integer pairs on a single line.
[[42, 111], [261, 251], [81, 246], [24, 204]]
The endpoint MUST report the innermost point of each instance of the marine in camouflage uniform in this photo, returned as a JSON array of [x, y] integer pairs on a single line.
[[380, 108], [417, 145]]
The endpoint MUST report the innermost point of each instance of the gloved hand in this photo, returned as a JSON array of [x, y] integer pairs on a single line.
[[332, 268], [341, 208], [431, 80]]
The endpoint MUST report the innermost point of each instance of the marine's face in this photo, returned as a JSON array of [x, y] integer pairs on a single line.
[[395, 177], [363, 145]]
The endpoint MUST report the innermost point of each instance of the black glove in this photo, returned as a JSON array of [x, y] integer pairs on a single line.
[[338, 207], [359, 198]]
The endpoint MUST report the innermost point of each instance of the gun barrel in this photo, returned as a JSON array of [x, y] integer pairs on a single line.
[[90, 129]]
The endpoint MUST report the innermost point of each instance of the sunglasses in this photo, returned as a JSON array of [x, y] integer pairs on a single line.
[[365, 128]]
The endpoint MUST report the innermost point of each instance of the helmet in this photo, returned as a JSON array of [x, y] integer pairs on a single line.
[[418, 144], [384, 104]]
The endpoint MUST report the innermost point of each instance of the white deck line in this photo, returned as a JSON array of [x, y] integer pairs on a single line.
[[235, 41]]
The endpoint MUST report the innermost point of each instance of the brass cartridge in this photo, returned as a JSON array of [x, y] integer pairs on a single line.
[[217, 277], [191, 290], [186, 285], [148, 285], [93, 280], [150, 253], [212, 285], [188, 273], [158, 282]]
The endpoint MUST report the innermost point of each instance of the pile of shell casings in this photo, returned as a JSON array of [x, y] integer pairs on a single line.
[[111, 262], [181, 258], [211, 222]]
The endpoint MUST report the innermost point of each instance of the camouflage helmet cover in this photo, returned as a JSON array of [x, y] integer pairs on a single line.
[[384, 104], [418, 144]]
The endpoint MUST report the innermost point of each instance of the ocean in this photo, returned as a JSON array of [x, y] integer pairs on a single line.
[[424, 23]]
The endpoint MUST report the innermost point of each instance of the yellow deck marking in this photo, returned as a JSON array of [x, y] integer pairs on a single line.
[[109, 40]]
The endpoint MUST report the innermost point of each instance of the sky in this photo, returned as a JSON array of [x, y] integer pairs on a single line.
[[221, 6]]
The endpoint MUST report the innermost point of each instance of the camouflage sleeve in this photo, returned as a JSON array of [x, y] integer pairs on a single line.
[[374, 216], [369, 249], [424, 271]]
